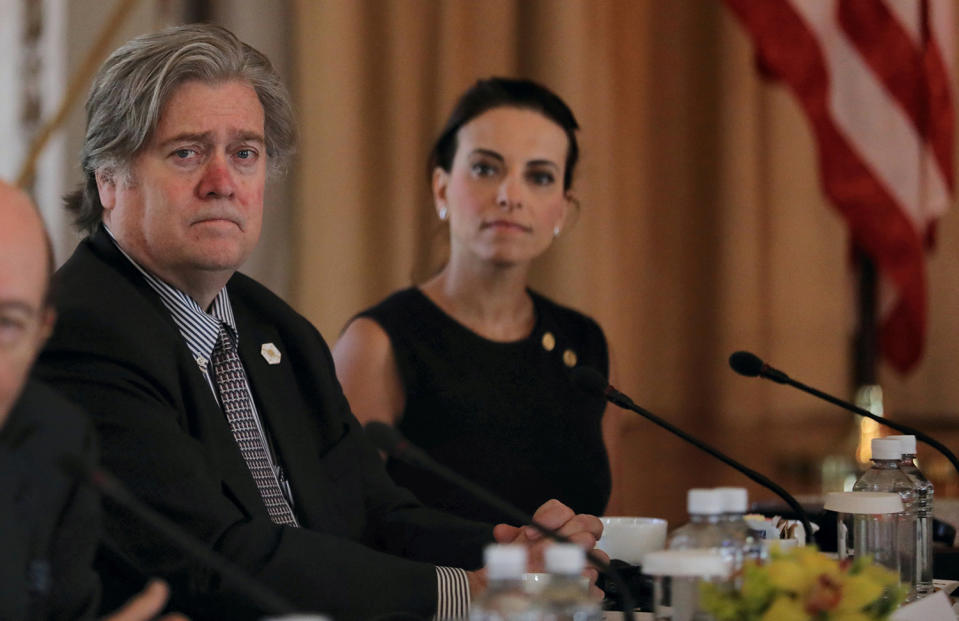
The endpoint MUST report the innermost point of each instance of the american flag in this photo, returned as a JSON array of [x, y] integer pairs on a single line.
[[874, 80]]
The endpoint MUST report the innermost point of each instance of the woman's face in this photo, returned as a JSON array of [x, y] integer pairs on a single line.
[[504, 192]]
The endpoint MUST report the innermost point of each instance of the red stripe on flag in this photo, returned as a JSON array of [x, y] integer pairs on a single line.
[[941, 113], [914, 76], [881, 229], [889, 51], [877, 223]]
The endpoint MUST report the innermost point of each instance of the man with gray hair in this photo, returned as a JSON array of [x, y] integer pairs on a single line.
[[214, 400]]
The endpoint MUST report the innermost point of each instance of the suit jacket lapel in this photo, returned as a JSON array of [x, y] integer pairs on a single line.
[[286, 415], [204, 417], [212, 428]]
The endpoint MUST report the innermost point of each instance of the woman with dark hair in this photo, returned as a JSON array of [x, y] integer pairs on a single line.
[[472, 365]]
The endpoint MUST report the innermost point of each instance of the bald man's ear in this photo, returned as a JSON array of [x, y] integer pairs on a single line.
[[47, 322], [106, 187]]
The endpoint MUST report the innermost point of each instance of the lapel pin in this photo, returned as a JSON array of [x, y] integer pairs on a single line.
[[548, 341], [270, 353]]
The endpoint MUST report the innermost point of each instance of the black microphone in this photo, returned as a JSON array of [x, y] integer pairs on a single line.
[[751, 365], [390, 441], [270, 602], [591, 380]]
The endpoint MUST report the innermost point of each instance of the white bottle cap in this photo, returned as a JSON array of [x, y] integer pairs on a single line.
[[863, 502], [687, 563], [505, 561], [565, 558], [733, 499], [703, 502], [907, 444], [886, 448]]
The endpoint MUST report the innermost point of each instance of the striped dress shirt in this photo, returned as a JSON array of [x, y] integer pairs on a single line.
[[200, 330]]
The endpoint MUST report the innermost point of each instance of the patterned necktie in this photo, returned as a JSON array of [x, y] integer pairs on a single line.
[[235, 401]]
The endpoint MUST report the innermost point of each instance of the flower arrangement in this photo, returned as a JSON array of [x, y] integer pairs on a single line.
[[803, 584]]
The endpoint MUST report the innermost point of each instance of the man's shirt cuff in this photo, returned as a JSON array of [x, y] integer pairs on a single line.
[[452, 594]]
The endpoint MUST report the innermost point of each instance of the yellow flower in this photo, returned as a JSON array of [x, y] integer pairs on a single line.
[[858, 592], [788, 575], [786, 609], [757, 590], [852, 616], [803, 584], [718, 601], [824, 595], [879, 574], [816, 563]]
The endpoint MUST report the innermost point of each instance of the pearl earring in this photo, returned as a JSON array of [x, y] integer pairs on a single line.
[[443, 214], [556, 231]]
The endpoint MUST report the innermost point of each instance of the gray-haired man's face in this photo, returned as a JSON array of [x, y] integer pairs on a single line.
[[193, 204]]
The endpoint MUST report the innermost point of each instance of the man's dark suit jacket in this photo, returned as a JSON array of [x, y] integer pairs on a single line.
[[367, 547], [48, 522]]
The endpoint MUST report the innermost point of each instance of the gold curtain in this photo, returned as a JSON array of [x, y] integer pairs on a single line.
[[702, 230]]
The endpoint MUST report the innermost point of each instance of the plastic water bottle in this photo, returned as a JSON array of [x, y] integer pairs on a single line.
[[504, 598], [566, 595], [885, 476], [924, 498], [735, 502], [705, 528]]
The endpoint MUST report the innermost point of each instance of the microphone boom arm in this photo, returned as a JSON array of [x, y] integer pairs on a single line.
[[272, 603], [390, 441], [922, 437], [749, 364], [623, 401]]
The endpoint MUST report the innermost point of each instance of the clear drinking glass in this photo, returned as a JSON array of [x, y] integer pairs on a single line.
[[867, 525], [678, 575]]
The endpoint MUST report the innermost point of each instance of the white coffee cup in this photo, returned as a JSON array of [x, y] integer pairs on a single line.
[[630, 538]]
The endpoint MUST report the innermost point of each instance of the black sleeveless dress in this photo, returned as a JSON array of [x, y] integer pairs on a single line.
[[504, 415]]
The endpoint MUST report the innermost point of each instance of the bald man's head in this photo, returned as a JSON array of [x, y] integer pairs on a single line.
[[25, 315]]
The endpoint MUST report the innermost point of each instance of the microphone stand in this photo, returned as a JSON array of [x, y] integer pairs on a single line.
[[271, 602], [751, 365], [905, 429], [620, 399]]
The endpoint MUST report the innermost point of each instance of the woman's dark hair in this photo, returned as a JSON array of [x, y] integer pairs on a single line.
[[496, 93]]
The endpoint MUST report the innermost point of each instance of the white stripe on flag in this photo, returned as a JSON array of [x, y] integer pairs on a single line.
[[876, 81], [874, 123]]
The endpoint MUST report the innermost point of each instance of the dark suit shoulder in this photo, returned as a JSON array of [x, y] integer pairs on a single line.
[[49, 523], [261, 314], [104, 304], [565, 315], [576, 328], [262, 303], [42, 417], [111, 326]]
